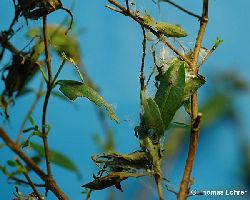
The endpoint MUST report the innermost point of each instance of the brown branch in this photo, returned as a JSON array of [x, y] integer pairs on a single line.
[[181, 8], [48, 92], [25, 173], [159, 35], [159, 187], [20, 181], [144, 46], [49, 181], [195, 130], [30, 111]]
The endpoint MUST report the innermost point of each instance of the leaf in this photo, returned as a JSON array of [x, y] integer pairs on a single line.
[[12, 163], [169, 96], [151, 116], [216, 106], [114, 178], [217, 43], [124, 162], [178, 125], [57, 158], [169, 30], [192, 86], [59, 41], [73, 89]]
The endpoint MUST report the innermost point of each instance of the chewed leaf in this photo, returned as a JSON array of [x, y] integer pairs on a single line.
[[73, 89], [114, 178], [152, 116], [57, 158], [192, 86], [169, 96]]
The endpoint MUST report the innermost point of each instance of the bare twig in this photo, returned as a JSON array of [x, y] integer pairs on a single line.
[[181, 8], [30, 111], [159, 187], [49, 181], [48, 92], [144, 46], [195, 130], [159, 35], [29, 181], [20, 181]]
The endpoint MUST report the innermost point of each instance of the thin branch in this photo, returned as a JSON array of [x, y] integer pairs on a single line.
[[127, 4], [159, 186], [196, 116], [25, 182], [159, 35], [48, 92], [30, 111], [181, 8], [49, 181], [206, 57], [25, 173], [144, 46]]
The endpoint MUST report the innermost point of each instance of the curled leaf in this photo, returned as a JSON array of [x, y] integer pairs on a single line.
[[151, 116], [114, 178], [74, 89], [192, 86], [123, 162]]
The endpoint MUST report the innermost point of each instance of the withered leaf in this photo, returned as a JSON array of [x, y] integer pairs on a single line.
[[114, 178]]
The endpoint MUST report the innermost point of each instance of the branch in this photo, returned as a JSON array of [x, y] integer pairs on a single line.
[[48, 92], [30, 111], [161, 37], [196, 117], [159, 187], [25, 173], [49, 181], [181, 8], [144, 46]]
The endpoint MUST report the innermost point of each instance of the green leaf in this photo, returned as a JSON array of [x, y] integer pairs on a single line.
[[217, 43], [192, 86], [151, 116], [57, 158], [169, 30], [169, 96], [217, 105], [59, 41], [178, 125], [73, 89], [12, 163]]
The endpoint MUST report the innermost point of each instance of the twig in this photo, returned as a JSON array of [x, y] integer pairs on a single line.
[[207, 56], [30, 111], [25, 173], [181, 8], [48, 92], [156, 33], [127, 4], [195, 130], [49, 181], [144, 46], [25, 182], [159, 187]]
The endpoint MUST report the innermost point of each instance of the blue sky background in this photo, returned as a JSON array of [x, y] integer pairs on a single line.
[[111, 52]]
